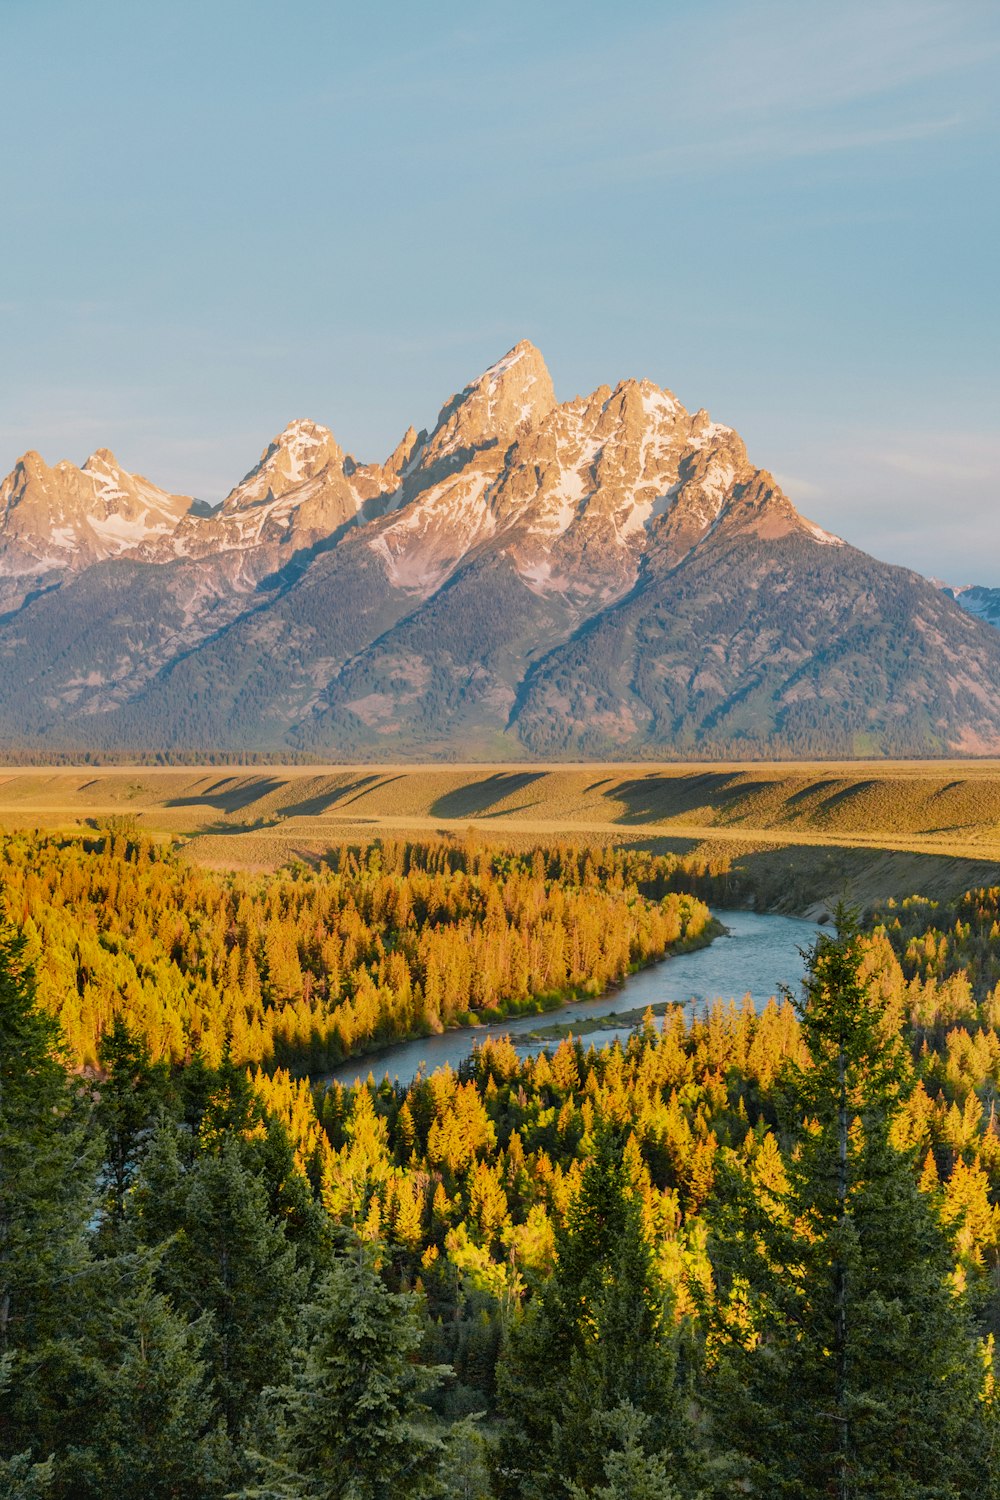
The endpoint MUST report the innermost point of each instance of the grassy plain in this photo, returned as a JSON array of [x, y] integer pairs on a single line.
[[800, 834]]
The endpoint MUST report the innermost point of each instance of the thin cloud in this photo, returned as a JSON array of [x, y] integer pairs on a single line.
[[812, 58], [951, 467], [779, 82], [800, 489], [925, 499], [781, 144]]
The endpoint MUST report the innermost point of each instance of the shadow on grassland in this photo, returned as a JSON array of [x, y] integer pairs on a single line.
[[477, 797], [807, 880], [231, 794], [351, 791], [235, 794], [652, 797]]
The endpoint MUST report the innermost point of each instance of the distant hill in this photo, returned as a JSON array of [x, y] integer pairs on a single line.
[[978, 600], [610, 576]]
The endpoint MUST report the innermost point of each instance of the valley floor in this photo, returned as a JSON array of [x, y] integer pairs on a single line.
[[798, 835]]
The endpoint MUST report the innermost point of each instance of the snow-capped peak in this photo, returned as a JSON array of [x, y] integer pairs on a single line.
[[582, 494], [68, 517], [510, 397], [301, 451], [523, 350]]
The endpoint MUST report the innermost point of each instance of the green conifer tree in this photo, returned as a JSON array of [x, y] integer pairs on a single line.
[[630, 1471], [352, 1424], [21, 1478], [124, 1406], [464, 1465], [847, 1364], [130, 1092], [47, 1161], [595, 1345], [224, 1254], [101, 1389], [47, 1166]]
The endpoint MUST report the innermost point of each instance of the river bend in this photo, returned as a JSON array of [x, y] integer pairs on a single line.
[[757, 955]]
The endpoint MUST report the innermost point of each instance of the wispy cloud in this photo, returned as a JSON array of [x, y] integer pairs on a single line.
[[946, 461], [779, 143], [784, 56], [777, 80], [924, 498], [802, 489], [730, 80]]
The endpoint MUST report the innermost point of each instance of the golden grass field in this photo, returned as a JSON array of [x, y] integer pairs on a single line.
[[810, 831]]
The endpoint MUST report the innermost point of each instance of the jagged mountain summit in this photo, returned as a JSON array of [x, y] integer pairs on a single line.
[[59, 520], [606, 576]]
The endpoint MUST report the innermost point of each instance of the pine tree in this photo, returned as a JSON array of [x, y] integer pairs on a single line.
[[630, 1472], [46, 1160], [352, 1425], [101, 1389], [595, 1345], [47, 1166], [224, 1254], [464, 1466], [129, 1094], [159, 1437], [20, 1477], [846, 1363], [124, 1406]]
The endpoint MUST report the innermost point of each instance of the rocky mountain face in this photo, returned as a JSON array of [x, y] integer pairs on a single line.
[[57, 521], [607, 576]]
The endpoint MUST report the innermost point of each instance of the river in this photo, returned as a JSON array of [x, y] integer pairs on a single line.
[[757, 954]]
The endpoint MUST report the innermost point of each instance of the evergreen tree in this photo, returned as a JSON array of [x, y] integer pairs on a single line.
[[101, 1388], [594, 1346], [630, 1472], [47, 1166], [124, 1406], [291, 1198], [157, 1436], [846, 1364], [352, 1424], [224, 1254], [20, 1477], [46, 1161], [130, 1092], [464, 1465]]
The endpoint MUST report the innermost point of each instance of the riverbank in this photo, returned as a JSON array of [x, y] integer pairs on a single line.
[[475, 1022], [626, 1020], [756, 954]]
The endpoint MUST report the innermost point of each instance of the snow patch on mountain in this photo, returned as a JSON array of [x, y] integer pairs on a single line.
[[975, 598], [825, 538]]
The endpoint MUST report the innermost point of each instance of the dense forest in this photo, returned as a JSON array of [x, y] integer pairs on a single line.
[[745, 1254], [309, 967]]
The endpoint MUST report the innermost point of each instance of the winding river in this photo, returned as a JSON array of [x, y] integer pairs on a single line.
[[756, 955]]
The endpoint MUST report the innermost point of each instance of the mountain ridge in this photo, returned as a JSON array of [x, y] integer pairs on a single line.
[[606, 575]]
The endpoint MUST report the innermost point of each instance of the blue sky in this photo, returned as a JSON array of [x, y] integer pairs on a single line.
[[222, 215]]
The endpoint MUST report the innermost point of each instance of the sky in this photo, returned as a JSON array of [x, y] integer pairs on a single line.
[[225, 214]]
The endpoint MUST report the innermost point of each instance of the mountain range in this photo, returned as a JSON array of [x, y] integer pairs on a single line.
[[606, 577], [977, 599]]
